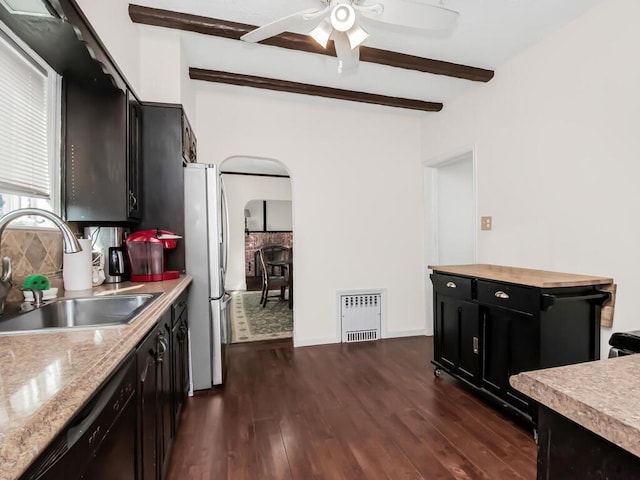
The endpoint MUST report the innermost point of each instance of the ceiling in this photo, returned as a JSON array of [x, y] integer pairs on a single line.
[[489, 33]]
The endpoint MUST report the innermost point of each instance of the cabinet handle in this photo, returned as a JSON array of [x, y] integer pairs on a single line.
[[501, 294], [132, 200], [476, 349], [451, 285], [162, 348]]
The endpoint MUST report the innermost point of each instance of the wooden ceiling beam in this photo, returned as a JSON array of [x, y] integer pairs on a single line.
[[307, 89], [294, 41]]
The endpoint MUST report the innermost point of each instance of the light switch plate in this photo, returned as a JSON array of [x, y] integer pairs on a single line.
[[486, 223]]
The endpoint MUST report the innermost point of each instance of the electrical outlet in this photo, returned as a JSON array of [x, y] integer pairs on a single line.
[[486, 223]]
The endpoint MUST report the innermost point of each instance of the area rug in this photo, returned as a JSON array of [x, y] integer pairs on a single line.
[[252, 323]]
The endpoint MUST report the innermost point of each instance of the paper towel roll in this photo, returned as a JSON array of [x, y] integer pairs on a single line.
[[76, 268]]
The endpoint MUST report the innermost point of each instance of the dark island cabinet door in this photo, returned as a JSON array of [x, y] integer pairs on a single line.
[[469, 366], [495, 350], [457, 345], [447, 331], [510, 346]]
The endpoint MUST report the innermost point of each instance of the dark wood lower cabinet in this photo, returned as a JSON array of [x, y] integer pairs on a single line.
[[159, 394], [568, 451], [149, 355], [165, 394], [180, 339]]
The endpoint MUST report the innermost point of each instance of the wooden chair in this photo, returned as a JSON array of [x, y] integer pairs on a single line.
[[271, 280]]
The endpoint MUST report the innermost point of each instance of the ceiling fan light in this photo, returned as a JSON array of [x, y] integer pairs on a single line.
[[343, 17], [356, 35], [322, 33]]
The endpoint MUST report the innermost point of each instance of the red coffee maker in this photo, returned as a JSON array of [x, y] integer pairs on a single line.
[[146, 251]]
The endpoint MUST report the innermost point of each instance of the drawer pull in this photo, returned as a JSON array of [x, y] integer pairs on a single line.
[[451, 285], [501, 294], [476, 347]]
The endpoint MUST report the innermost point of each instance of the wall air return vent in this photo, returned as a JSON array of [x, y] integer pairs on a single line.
[[360, 315]]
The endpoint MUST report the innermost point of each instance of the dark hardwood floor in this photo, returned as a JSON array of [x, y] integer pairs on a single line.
[[346, 411]]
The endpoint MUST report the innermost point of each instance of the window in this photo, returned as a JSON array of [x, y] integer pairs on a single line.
[[29, 130]]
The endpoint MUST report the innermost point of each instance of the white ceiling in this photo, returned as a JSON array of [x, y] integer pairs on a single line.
[[489, 32]]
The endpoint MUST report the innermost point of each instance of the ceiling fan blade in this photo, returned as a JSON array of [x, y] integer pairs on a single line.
[[413, 14], [348, 58], [309, 18]]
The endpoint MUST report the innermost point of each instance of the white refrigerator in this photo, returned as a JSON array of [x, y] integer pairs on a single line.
[[206, 258]]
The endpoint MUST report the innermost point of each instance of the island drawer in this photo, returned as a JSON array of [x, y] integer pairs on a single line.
[[513, 297], [452, 285]]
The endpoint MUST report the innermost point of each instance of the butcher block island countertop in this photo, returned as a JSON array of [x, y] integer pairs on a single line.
[[522, 276], [601, 396], [46, 377]]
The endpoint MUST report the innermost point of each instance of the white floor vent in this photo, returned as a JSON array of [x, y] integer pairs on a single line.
[[360, 314]]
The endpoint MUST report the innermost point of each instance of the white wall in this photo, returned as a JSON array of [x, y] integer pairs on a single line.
[[557, 136], [110, 19], [279, 215], [151, 58], [356, 190], [239, 190], [161, 64], [256, 211]]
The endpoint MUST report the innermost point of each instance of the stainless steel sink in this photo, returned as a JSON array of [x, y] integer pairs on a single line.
[[78, 312]]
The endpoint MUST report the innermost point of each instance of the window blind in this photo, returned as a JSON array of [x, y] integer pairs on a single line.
[[24, 156]]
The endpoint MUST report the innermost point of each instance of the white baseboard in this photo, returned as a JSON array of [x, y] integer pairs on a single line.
[[308, 342], [240, 287], [407, 333]]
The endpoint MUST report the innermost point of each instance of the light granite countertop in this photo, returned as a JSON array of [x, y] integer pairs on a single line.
[[522, 276], [602, 396], [46, 377]]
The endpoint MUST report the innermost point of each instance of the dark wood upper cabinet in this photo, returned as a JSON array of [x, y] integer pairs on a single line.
[[167, 144], [101, 117], [134, 154], [189, 147], [68, 43], [102, 181]]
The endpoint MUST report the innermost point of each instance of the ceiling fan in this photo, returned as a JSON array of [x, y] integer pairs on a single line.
[[343, 21]]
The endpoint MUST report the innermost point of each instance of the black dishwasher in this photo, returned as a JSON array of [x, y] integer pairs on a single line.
[[99, 442]]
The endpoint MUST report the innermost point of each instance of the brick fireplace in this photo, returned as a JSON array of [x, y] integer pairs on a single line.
[[253, 241]]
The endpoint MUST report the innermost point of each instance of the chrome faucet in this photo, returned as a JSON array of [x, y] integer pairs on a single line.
[[69, 240]]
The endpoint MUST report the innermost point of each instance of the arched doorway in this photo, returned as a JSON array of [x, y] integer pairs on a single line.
[[260, 210]]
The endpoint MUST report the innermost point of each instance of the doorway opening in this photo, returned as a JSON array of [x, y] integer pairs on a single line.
[[267, 222], [260, 211], [450, 214]]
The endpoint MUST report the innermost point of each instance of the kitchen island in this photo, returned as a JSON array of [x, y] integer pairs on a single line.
[[589, 419], [493, 321], [47, 377]]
